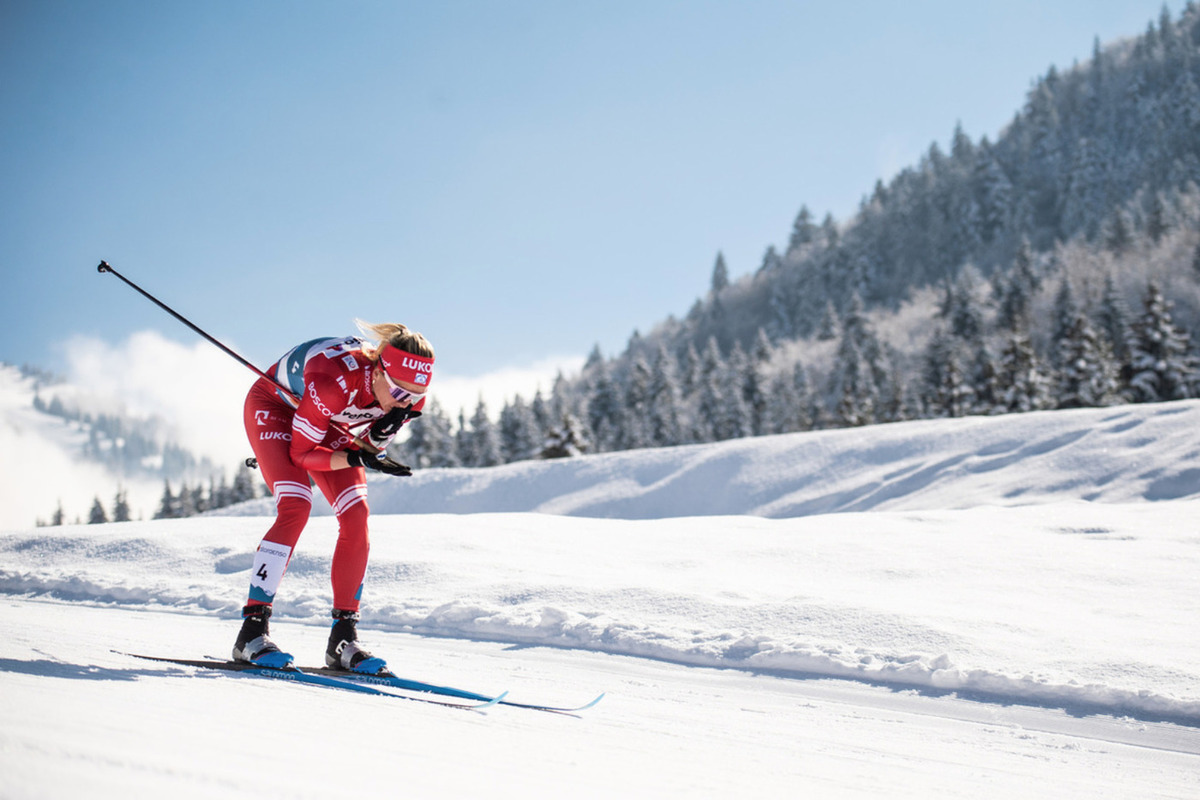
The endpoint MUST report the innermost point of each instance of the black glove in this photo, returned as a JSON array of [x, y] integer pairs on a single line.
[[358, 458], [384, 429]]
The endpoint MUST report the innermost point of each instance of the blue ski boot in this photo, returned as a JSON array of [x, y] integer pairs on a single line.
[[344, 651]]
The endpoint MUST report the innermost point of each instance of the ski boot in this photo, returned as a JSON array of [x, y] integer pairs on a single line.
[[254, 645], [344, 651]]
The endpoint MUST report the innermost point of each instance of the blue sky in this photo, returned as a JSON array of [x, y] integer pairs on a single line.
[[518, 180]]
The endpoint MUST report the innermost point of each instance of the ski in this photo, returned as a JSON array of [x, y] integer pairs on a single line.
[[306, 677], [396, 682]]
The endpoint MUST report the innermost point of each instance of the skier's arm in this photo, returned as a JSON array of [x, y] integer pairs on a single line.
[[322, 399]]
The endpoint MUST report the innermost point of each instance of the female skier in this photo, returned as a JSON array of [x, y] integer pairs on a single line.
[[347, 381]]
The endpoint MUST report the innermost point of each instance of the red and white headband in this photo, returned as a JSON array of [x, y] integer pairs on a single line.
[[407, 367]]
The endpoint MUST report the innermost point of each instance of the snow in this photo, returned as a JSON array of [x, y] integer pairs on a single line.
[[985, 607]]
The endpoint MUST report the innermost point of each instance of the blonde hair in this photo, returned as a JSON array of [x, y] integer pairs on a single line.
[[395, 334]]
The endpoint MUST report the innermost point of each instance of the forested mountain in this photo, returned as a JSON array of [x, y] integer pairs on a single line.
[[1058, 266], [128, 452]]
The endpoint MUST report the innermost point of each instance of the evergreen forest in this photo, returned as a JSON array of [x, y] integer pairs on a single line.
[[1055, 267]]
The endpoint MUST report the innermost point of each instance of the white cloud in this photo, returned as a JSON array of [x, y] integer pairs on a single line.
[[196, 389], [502, 385]]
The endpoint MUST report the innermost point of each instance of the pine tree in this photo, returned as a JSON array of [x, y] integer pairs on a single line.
[[829, 329], [121, 506], [604, 410], [430, 441], [241, 490], [97, 514], [1112, 319], [1063, 316], [168, 507], [1018, 292], [1157, 222], [664, 401], [484, 442], [635, 427], [1118, 232], [57, 518], [804, 231], [1162, 365], [720, 275], [783, 406], [961, 310], [519, 436], [565, 440], [852, 385], [948, 393], [1021, 382], [1087, 373], [985, 381], [187, 501]]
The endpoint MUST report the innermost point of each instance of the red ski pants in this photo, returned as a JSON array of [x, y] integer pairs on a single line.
[[268, 422]]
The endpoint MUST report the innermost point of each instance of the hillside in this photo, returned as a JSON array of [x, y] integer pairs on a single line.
[[1054, 267], [86, 450]]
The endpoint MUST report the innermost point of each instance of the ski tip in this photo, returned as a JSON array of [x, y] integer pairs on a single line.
[[593, 703], [491, 703]]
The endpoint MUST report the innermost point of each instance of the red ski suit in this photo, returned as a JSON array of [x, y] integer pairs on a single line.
[[293, 444]]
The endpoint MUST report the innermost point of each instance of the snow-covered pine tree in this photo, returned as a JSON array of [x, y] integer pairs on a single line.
[[565, 440], [604, 409], [1087, 375], [985, 381], [664, 401], [634, 428], [520, 438], [1112, 321], [851, 385], [1018, 291], [947, 393], [1162, 365], [1022, 383], [484, 442], [782, 409], [430, 440], [1062, 318], [828, 329]]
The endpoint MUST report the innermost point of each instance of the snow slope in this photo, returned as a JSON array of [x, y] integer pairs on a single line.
[[1109, 455], [1014, 601]]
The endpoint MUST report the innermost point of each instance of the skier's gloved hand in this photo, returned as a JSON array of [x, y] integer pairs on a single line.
[[384, 429], [358, 458]]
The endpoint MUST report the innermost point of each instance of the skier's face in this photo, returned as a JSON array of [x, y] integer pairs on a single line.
[[394, 394]]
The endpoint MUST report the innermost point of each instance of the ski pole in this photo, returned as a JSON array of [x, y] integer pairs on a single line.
[[106, 267]]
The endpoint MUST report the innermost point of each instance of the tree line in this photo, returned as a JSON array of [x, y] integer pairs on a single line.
[[188, 501]]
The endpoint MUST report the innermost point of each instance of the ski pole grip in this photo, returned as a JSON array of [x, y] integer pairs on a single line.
[[104, 267]]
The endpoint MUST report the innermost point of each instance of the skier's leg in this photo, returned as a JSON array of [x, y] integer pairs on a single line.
[[347, 492], [269, 430]]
